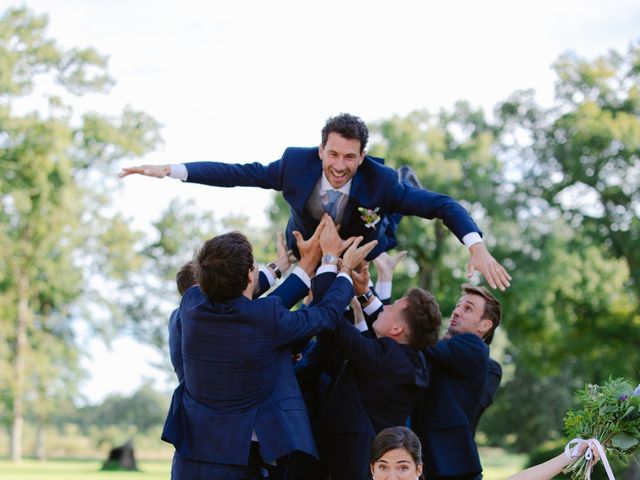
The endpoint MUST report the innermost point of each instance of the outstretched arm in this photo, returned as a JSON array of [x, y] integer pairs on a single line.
[[551, 468], [427, 204]]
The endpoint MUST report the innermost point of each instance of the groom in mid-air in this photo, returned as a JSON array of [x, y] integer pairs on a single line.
[[358, 191]]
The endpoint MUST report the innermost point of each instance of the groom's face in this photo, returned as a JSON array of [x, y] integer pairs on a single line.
[[341, 158]]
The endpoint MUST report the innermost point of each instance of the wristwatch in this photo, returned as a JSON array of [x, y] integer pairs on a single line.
[[364, 297], [328, 258], [275, 269]]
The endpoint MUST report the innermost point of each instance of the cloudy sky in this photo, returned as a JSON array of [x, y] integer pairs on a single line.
[[240, 81]]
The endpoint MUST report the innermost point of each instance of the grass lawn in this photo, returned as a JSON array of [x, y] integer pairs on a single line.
[[80, 469], [497, 464]]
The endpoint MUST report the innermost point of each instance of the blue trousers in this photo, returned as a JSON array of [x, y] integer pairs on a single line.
[[183, 468]]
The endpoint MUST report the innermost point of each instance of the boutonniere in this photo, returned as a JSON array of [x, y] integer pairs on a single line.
[[370, 216]]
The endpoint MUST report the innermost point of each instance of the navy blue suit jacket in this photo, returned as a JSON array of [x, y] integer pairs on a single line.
[[289, 297], [494, 377], [443, 418], [238, 377], [377, 388], [374, 186]]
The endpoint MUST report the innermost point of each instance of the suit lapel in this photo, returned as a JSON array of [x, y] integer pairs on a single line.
[[352, 203], [305, 184]]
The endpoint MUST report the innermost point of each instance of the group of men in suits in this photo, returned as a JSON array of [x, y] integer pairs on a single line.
[[239, 403]]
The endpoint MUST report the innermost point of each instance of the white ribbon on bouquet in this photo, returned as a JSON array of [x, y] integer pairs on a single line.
[[572, 448]]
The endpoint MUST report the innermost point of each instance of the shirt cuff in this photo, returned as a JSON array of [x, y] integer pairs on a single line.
[[362, 326], [344, 275], [373, 306], [383, 289], [327, 268], [269, 274], [302, 275], [179, 171], [471, 238]]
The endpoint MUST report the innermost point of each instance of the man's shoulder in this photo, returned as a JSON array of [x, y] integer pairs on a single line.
[[469, 340], [292, 153]]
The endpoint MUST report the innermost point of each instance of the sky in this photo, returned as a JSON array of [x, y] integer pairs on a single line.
[[241, 81]]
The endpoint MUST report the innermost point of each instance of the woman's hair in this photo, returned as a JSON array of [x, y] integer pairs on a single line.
[[396, 437]]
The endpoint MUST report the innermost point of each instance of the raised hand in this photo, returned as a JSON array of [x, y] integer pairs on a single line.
[[330, 240], [355, 254], [386, 265], [360, 277], [310, 251], [158, 171], [283, 255], [494, 273]]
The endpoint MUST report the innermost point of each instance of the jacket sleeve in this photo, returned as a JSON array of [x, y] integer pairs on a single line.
[[218, 174], [291, 291], [423, 203], [305, 322]]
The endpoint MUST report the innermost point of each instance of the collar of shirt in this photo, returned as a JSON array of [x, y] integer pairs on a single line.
[[325, 185]]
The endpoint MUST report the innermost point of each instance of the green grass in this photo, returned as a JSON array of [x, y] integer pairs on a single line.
[[80, 469], [497, 464]]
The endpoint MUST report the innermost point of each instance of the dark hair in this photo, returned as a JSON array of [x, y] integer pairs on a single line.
[[347, 125], [422, 314], [492, 310], [396, 437], [222, 266], [185, 277]]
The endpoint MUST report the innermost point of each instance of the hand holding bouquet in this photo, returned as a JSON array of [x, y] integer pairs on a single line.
[[608, 420]]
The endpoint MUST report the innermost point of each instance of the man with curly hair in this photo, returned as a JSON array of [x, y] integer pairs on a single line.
[[359, 192]]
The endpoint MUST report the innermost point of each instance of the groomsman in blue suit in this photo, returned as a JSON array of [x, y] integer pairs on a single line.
[[445, 416], [240, 403], [358, 191]]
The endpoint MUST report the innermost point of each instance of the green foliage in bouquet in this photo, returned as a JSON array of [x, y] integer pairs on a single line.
[[610, 414]]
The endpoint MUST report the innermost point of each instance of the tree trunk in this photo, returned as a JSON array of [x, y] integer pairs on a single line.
[[15, 452], [40, 450]]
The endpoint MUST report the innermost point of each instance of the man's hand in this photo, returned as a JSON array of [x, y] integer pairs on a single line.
[[386, 264], [310, 251], [491, 270], [283, 259], [330, 241], [355, 255], [360, 277], [158, 171]]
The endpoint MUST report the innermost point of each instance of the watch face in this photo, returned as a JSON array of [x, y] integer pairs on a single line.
[[329, 259]]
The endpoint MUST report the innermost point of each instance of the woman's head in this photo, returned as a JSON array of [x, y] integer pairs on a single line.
[[396, 453]]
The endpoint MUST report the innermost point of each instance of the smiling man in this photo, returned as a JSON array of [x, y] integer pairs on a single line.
[[358, 191]]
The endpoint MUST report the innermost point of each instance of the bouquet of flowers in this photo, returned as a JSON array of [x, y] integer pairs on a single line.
[[608, 419]]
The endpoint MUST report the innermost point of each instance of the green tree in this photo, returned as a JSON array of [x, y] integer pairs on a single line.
[[582, 156], [573, 310], [452, 153], [53, 196]]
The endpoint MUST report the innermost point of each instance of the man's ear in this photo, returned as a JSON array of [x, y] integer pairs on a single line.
[[484, 327], [398, 328], [362, 155]]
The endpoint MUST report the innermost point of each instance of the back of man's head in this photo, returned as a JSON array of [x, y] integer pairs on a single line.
[[185, 277], [492, 309], [348, 126], [422, 315], [222, 266]]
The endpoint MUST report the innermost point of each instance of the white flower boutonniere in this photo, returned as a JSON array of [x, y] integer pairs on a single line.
[[370, 216]]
